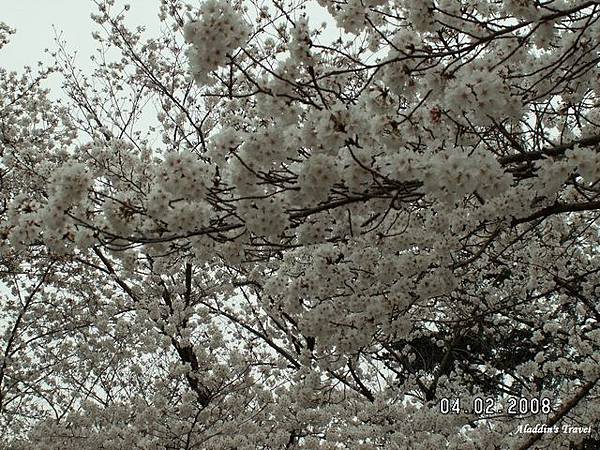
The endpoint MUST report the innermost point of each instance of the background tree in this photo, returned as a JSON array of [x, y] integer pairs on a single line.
[[318, 237]]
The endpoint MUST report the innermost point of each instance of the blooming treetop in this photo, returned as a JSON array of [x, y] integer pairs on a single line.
[[320, 237]]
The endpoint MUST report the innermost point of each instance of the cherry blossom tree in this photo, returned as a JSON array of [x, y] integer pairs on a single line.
[[257, 230]]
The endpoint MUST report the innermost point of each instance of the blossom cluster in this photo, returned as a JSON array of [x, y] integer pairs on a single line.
[[482, 95], [70, 183], [5, 30], [457, 173], [182, 174], [319, 174], [319, 245], [300, 42], [217, 32], [587, 162], [265, 218]]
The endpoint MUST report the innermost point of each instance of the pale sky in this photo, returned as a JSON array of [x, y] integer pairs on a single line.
[[34, 21], [37, 22]]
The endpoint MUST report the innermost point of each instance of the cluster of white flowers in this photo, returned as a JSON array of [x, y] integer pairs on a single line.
[[401, 166], [238, 174], [267, 148], [222, 143], [390, 205], [119, 213], [396, 75], [587, 162], [350, 18], [277, 106], [545, 35], [520, 8], [552, 174], [23, 220], [450, 174], [420, 14], [218, 31], [182, 174], [187, 215], [300, 43], [68, 189], [319, 174], [70, 184], [157, 202], [327, 130], [265, 217], [5, 31], [483, 95], [311, 232]]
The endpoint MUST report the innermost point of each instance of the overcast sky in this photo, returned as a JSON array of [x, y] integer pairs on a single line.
[[34, 21], [37, 22]]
